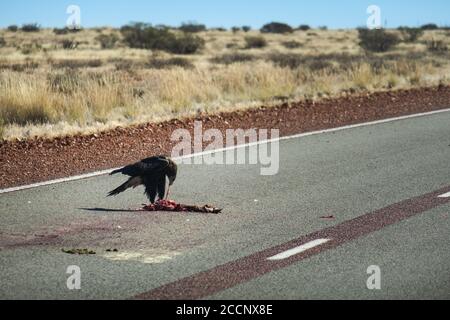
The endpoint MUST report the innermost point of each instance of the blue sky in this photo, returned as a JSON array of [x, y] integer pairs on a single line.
[[225, 13]]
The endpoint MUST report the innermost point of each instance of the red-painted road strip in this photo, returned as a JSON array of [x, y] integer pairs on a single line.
[[230, 274]]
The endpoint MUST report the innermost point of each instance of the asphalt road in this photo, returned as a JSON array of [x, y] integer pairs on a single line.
[[377, 185]]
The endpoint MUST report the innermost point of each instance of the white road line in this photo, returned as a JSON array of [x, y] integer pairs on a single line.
[[301, 135], [291, 252], [445, 195]]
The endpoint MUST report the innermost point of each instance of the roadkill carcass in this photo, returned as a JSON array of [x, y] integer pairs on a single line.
[[172, 206]]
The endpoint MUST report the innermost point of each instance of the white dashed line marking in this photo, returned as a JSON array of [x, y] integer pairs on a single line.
[[291, 252], [445, 195]]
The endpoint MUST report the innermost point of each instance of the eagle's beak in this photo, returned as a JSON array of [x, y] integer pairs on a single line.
[[167, 194]]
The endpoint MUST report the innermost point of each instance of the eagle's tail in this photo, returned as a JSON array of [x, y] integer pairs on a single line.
[[131, 183]]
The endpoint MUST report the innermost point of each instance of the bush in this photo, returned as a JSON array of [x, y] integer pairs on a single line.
[[13, 28], [323, 28], [313, 62], [230, 58], [19, 67], [28, 48], [185, 44], [429, 26], [246, 28], [284, 60], [377, 40], [437, 46], [276, 27], [235, 29], [255, 42], [31, 27], [192, 27], [411, 34], [232, 45], [304, 27], [169, 63], [126, 65], [61, 31], [2, 42], [69, 44], [144, 36], [292, 44], [107, 41], [78, 64]]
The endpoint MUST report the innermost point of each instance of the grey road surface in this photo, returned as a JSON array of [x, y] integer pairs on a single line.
[[340, 176]]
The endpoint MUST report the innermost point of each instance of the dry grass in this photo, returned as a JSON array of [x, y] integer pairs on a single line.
[[50, 91]]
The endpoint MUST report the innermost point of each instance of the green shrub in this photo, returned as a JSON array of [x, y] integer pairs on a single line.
[[20, 67], [68, 44], [232, 45], [13, 28], [124, 65], [184, 44], [192, 27], [78, 64], [276, 27], [411, 34], [437, 46], [28, 48], [2, 42], [156, 63], [145, 36], [286, 60], [107, 41], [312, 62], [230, 58], [292, 44], [235, 29], [255, 42], [246, 28], [31, 27], [377, 40], [430, 26], [304, 27], [61, 31]]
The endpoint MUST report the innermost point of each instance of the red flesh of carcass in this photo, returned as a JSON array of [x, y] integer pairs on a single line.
[[168, 205]]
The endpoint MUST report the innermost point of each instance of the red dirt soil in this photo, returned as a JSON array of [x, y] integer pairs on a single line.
[[30, 161]]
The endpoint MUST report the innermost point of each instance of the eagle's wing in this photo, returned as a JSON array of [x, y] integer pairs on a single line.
[[133, 182], [144, 167], [153, 164]]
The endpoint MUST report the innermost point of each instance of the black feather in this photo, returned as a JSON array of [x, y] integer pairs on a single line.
[[133, 182], [161, 187], [152, 172]]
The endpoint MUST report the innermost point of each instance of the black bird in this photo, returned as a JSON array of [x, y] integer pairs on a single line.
[[152, 173]]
